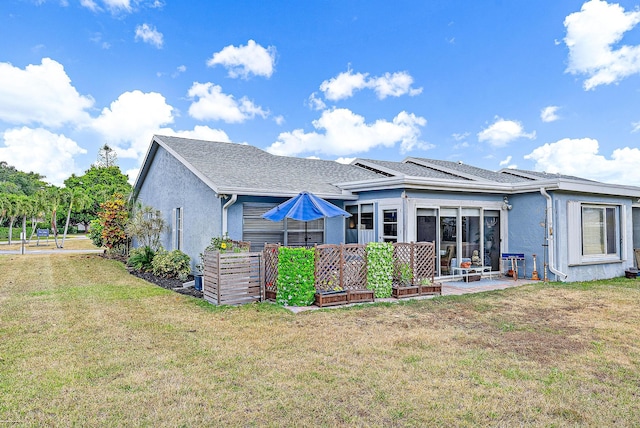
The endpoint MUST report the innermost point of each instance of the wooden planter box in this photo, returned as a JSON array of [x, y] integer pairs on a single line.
[[270, 295], [400, 292], [331, 298], [431, 289], [360, 296], [472, 277]]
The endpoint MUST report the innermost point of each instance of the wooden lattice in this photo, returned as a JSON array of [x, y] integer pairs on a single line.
[[424, 262], [344, 267], [270, 254], [413, 262], [340, 267]]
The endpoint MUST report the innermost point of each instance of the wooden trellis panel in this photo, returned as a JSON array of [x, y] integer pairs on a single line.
[[420, 257], [270, 254], [233, 278], [424, 261], [340, 267]]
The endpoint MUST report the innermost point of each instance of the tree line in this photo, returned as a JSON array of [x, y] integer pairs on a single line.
[[25, 197]]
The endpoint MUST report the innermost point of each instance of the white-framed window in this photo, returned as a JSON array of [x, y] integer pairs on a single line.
[[595, 232], [177, 228], [390, 225]]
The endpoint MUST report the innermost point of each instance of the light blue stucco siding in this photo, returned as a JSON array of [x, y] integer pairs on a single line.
[[526, 231], [170, 185], [636, 227], [593, 271]]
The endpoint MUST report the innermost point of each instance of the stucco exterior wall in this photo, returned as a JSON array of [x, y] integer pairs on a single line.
[[636, 227], [170, 185], [590, 272], [526, 232]]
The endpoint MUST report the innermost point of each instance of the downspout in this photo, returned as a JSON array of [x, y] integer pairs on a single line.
[[225, 207], [550, 238]]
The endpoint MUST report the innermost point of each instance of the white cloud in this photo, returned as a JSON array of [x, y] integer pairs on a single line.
[[346, 83], [242, 61], [114, 6], [212, 104], [506, 161], [344, 160], [279, 120], [549, 114], [316, 103], [199, 132], [118, 5], [149, 34], [343, 132], [579, 157], [90, 4], [41, 94], [343, 85], [636, 126], [502, 132], [591, 35], [460, 136], [131, 120], [41, 151]]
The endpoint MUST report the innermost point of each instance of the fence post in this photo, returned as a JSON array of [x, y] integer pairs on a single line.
[[218, 274], [342, 266]]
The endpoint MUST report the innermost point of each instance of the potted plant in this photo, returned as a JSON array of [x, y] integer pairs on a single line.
[[427, 286], [404, 286]]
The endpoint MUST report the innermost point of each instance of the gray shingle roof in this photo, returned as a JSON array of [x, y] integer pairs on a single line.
[[238, 166], [483, 174], [542, 175], [414, 170]]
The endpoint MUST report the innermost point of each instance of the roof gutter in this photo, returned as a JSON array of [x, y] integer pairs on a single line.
[[225, 207], [550, 237]]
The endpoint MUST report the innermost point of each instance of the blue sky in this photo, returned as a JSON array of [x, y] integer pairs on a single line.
[[545, 85]]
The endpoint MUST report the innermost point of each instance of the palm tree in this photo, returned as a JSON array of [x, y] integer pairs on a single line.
[[81, 201], [54, 199], [17, 205], [3, 207], [40, 207]]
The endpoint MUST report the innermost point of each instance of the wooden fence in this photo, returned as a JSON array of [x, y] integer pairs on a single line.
[[344, 266], [233, 278]]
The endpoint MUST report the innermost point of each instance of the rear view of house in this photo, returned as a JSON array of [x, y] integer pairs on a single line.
[[581, 229]]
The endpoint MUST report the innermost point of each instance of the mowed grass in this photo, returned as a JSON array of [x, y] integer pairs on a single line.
[[75, 242], [84, 343]]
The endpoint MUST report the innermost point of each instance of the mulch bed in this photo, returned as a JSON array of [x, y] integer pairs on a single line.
[[168, 283], [173, 284]]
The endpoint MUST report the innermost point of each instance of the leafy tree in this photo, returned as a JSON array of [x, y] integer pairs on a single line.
[[97, 184], [18, 182], [113, 218], [146, 225]]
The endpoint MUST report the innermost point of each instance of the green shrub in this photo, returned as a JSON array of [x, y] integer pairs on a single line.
[[95, 233], [295, 280], [380, 268], [141, 258], [171, 264]]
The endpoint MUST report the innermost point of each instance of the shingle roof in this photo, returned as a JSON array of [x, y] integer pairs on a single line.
[[534, 175], [483, 174], [238, 166], [414, 170]]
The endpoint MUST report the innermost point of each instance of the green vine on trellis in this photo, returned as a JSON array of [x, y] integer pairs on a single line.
[[380, 268], [295, 282]]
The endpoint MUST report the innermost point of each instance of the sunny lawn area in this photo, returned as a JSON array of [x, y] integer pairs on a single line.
[[84, 343]]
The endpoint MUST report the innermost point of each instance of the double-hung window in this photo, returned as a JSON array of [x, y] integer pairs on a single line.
[[595, 232]]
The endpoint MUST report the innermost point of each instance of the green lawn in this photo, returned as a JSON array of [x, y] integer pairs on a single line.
[[84, 343]]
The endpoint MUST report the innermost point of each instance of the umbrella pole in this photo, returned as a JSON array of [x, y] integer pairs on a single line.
[[305, 234]]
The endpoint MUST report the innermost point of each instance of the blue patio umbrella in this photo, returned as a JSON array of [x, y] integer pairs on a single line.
[[304, 207]]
